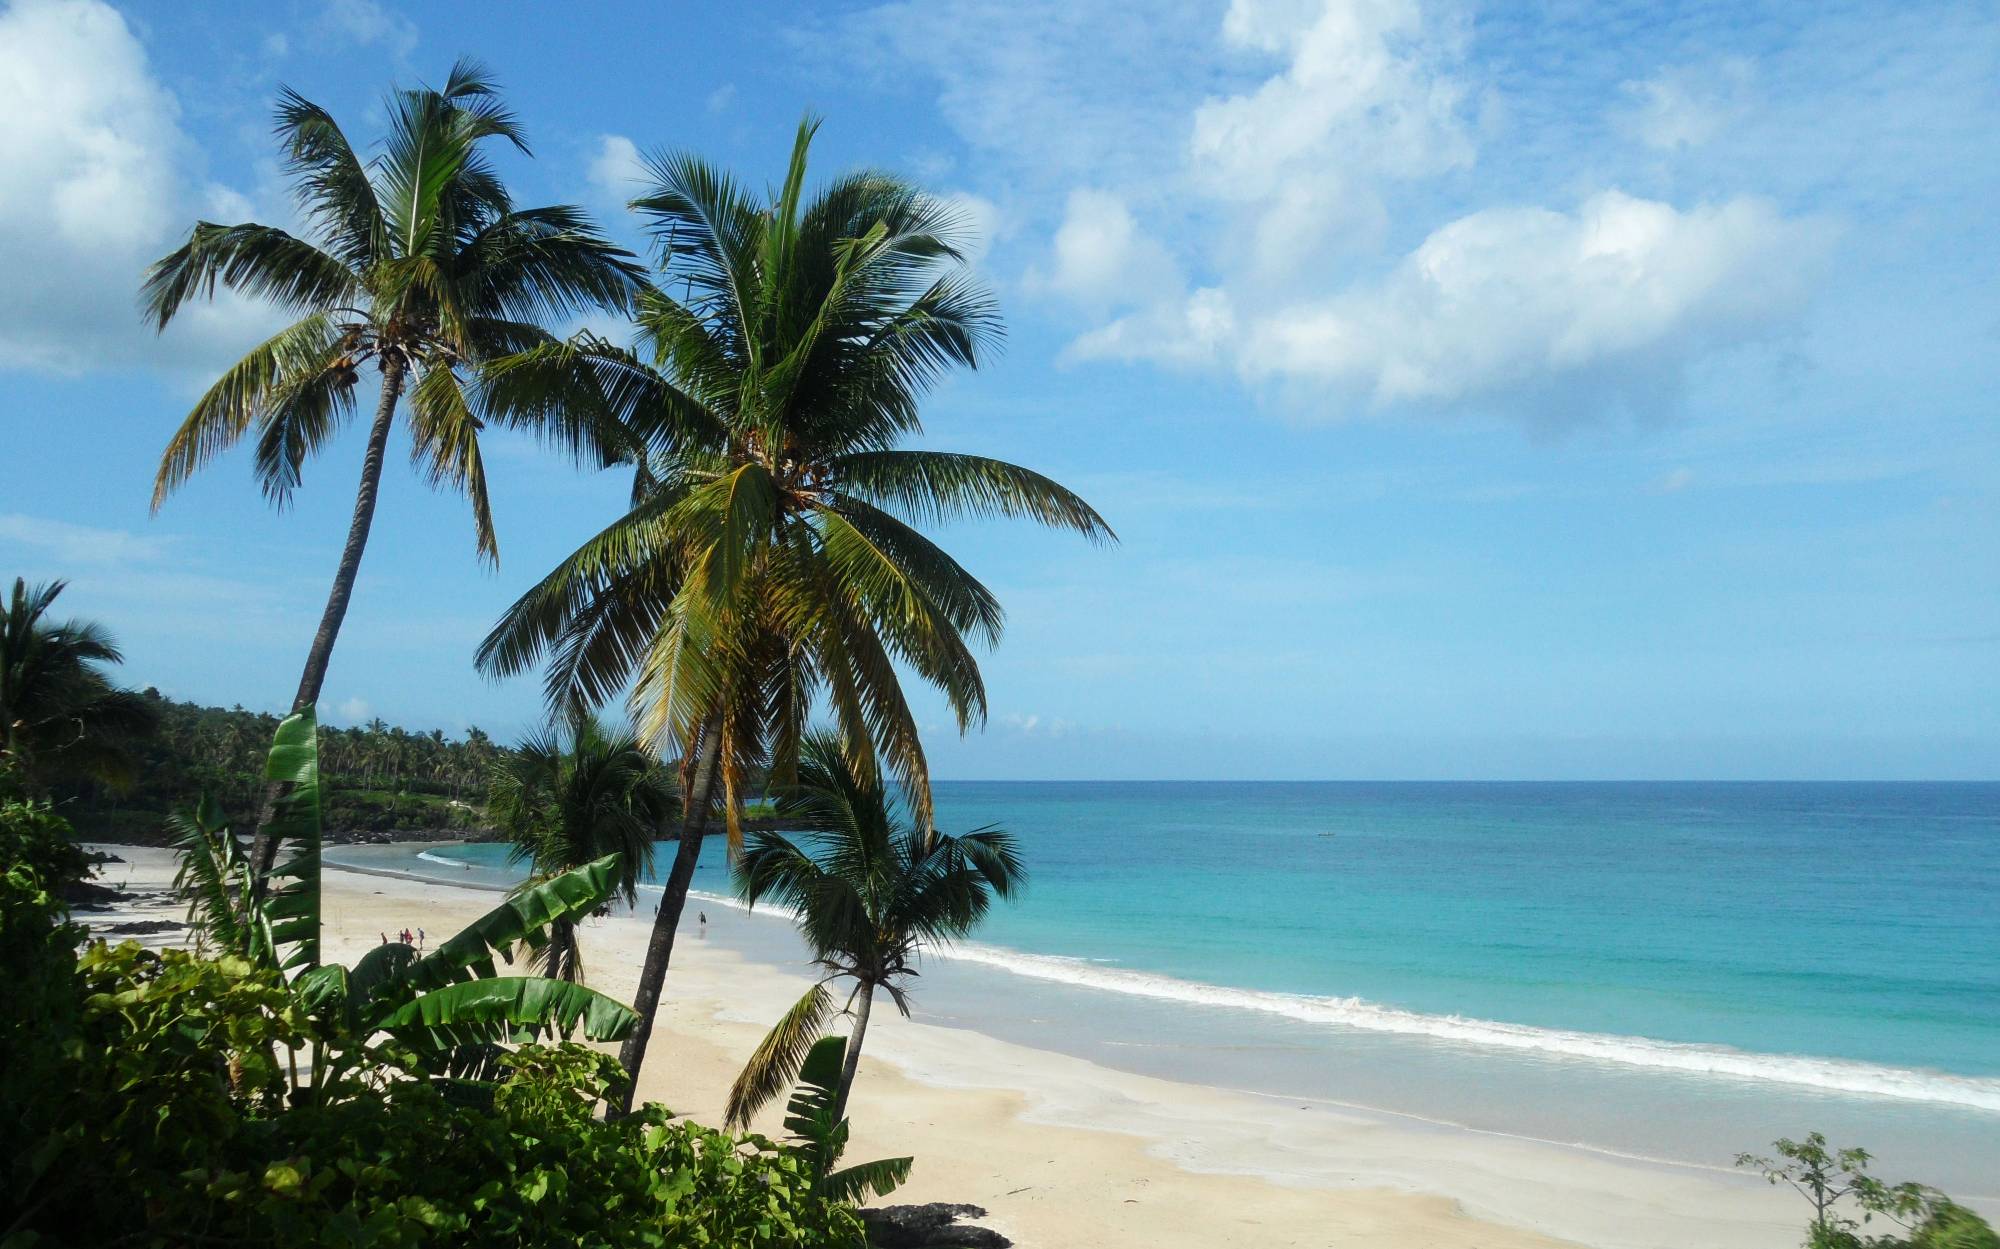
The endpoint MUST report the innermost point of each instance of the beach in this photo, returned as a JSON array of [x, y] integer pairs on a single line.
[[1064, 1152]]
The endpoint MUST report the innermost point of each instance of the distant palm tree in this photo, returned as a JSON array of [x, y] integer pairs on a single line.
[[870, 890], [59, 714], [569, 798], [771, 560], [419, 262]]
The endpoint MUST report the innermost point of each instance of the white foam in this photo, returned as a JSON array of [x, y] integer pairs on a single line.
[[1833, 1075], [1830, 1074]]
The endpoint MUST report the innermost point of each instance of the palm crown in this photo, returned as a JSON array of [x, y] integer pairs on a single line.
[[417, 262], [567, 799], [870, 889], [59, 713], [771, 557]]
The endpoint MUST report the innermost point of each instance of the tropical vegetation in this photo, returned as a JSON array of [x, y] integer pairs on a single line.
[[381, 778], [153, 1099], [871, 890], [417, 263], [570, 797], [772, 559], [61, 718], [1837, 1184]]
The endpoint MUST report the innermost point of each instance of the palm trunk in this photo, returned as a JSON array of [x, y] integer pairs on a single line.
[[852, 1062], [264, 850], [660, 946]]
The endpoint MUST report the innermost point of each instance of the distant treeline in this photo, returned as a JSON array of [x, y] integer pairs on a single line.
[[378, 777]]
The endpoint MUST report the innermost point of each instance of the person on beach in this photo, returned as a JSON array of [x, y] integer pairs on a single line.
[[420, 941], [385, 938], [704, 924]]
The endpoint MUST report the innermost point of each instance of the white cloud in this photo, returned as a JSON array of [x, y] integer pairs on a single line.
[[70, 544], [1365, 96], [1101, 258], [1620, 294], [367, 23], [722, 97], [355, 710], [92, 188], [617, 168], [980, 220], [1684, 108]]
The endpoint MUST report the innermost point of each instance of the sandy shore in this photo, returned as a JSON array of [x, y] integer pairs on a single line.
[[1063, 1152]]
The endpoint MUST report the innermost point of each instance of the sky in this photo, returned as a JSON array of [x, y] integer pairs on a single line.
[[1580, 390]]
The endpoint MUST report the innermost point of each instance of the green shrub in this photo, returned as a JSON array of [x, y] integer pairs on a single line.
[[149, 1102]]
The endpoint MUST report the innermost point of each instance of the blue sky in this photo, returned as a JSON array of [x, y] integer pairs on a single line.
[[1568, 390]]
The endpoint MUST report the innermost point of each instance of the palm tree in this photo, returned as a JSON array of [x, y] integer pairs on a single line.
[[59, 714], [871, 889], [418, 262], [570, 798], [771, 557]]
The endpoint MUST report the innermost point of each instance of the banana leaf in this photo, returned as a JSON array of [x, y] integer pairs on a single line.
[[523, 918], [502, 1008], [294, 906]]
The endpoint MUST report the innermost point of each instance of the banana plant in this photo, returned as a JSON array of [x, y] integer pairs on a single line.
[[819, 1132], [450, 1012]]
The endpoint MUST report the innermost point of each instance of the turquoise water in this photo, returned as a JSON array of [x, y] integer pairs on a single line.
[[1672, 970]]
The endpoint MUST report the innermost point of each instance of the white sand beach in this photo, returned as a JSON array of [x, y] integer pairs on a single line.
[[1063, 1152]]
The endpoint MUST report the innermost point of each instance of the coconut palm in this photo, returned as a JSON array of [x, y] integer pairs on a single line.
[[572, 797], [772, 558], [59, 714], [871, 889], [417, 263]]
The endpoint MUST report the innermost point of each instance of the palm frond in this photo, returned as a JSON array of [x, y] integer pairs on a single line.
[[775, 1062]]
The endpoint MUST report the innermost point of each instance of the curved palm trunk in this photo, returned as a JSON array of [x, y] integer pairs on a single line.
[[660, 946], [264, 851], [852, 1062]]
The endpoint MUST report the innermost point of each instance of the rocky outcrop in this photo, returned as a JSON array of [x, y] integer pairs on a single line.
[[935, 1225]]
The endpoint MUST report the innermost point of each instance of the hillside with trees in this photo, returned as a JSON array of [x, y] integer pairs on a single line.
[[386, 779]]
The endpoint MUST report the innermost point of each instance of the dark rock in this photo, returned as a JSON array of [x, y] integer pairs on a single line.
[[931, 1226], [141, 927], [84, 896]]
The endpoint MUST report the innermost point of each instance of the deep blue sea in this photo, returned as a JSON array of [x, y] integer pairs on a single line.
[[1676, 971]]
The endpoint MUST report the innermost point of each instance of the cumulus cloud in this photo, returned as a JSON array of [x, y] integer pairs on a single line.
[[617, 168], [1504, 300], [1561, 313], [1365, 95], [367, 23], [92, 188], [1101, 258]]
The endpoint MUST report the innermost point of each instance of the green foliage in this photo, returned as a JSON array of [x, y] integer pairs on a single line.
[[770, 562], [375, 777], [34, 837], [449, 1012], [814, 1120], [415, 260], [60, 716], [152, 1100], [1837, 1184], [870, 887], [568, 798], [165, 1122]]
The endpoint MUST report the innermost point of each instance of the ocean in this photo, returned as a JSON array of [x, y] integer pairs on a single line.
[[1665, 971]]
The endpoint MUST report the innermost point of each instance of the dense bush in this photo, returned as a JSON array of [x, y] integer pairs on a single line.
[[152, 1109]]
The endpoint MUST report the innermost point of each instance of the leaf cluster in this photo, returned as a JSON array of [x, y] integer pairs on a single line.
[[1838, 1185]]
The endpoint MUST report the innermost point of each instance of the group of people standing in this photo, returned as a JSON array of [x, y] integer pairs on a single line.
[[408, 938]]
